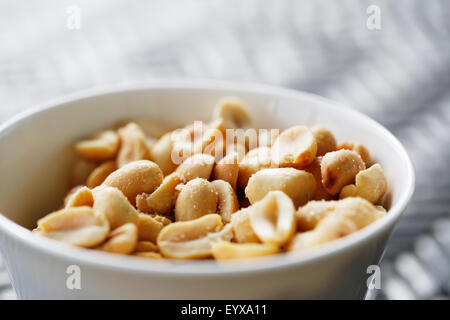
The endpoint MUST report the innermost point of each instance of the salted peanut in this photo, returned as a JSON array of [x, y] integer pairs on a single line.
[[122, 240], [242, 229], [315, 170], [309, 215], [233, 113], [326, 142], [114, 206], [371, 184], [299, 185], [81, 171], [193, 239], [146, 246], [359, 210], [213, 139], [161, 154], [149, 255], [162, 200], [150, 143], [295, 146], [227, 169], [330, 228], [273, 218], [227, 201], [339, 169], [78, 226], [100, 173], [358, 148], [81, 197], [224, 250], [133, 145], [197, 166], [149, 227], [255, 160], [135, 178], [266, 138], [197, 198], [102, 147], [236, 147], [162, 219]]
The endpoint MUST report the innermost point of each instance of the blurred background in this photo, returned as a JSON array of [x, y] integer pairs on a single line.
[[388, 59]]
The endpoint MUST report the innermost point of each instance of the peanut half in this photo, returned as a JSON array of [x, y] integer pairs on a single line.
[[133, 145], [197, 198], [135, 178], [78, 226], [193, 239], [102, 147], [162, 200], [273, 218], [339, 169], [299, 185], [295, 146], [371, 184]]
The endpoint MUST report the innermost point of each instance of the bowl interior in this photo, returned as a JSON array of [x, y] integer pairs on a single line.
[[36, 148]]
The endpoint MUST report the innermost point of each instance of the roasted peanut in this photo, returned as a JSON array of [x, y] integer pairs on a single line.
[[150, 255], [162, 200], [325, 140], [114, 206], [135, 178], [212, 141], [371, 184], [359, 149], [339, 169], [330, 228], [161, 154], [226, 250], [227, 169], [100, 173], [193, 239], [227, 201], [233, 113], [273, 218], [81, 171], [242, 229], [197, 166], [358, 210], [122, 240], [102, 147], [78, 226], [315, 170], [146, 246], [266, 138], [81, 197], [295, 146], [162, 219], [133, 145], [299, 185], [197, 198], [149, 227], [254, 160]]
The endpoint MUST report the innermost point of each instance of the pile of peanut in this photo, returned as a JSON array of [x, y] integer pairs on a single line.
[[137, 191]]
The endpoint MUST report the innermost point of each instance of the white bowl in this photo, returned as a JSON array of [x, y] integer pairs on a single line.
[[35, 162]]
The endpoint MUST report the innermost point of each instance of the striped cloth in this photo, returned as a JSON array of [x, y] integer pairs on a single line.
[[399, 75]]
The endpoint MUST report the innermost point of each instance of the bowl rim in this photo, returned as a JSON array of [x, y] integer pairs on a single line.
[[205, 268]]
